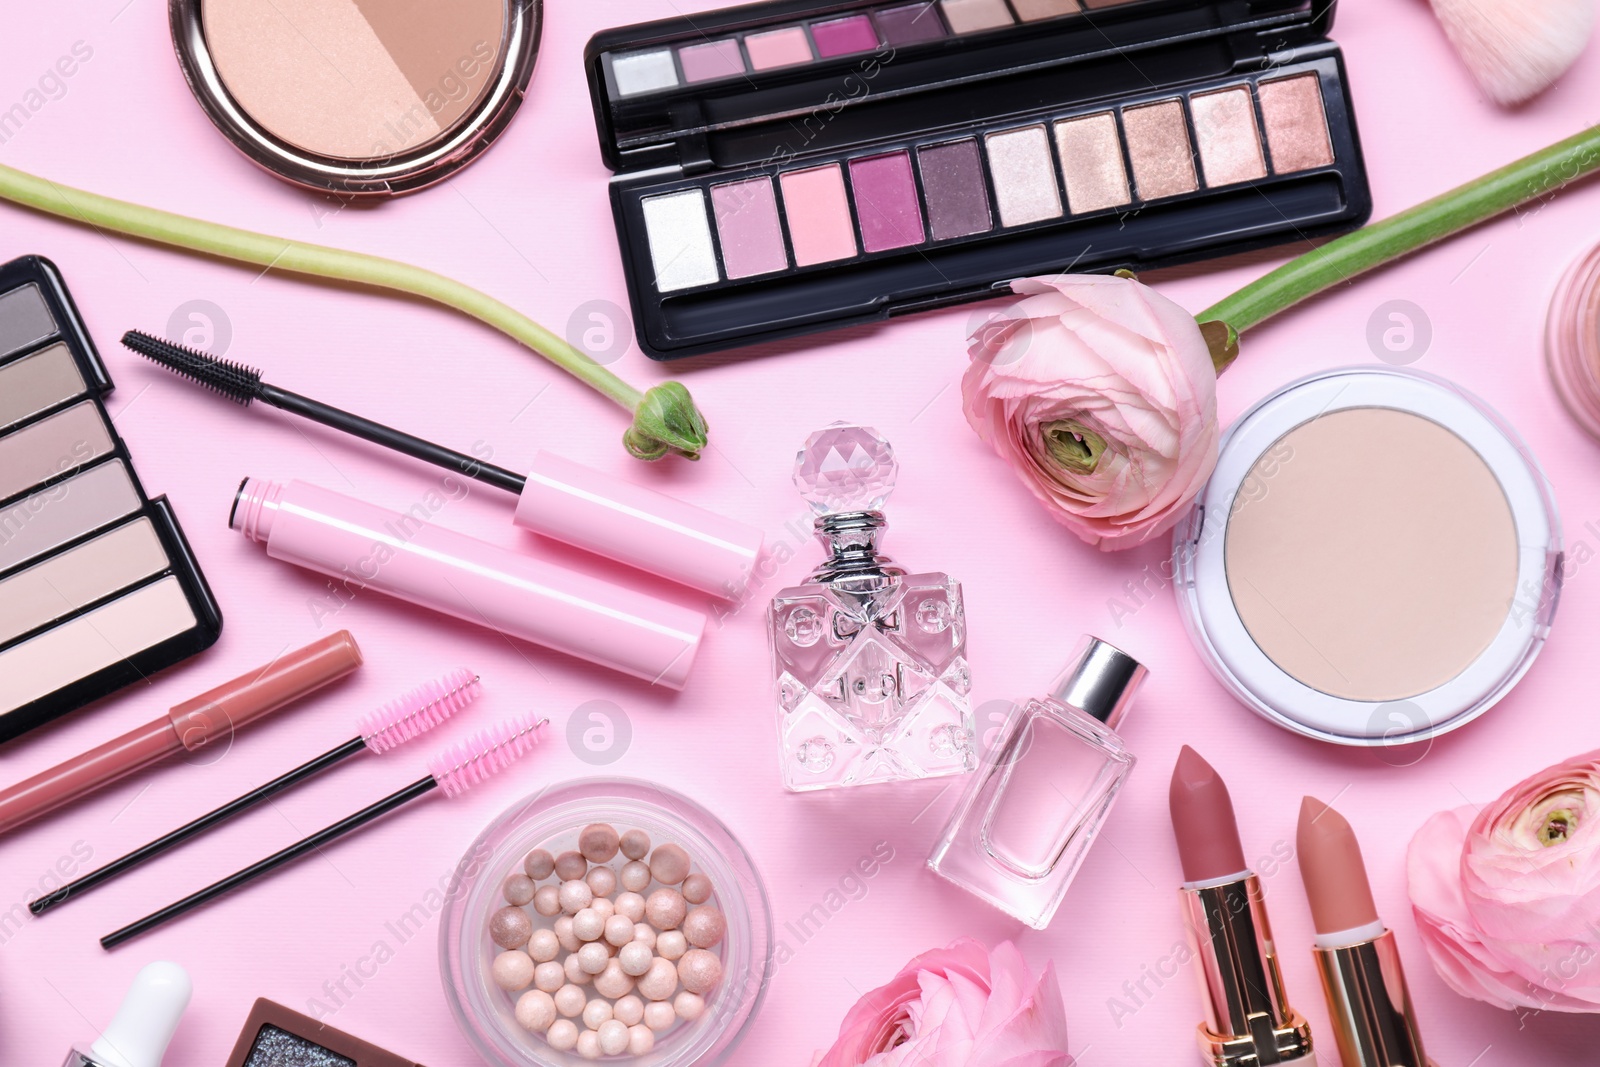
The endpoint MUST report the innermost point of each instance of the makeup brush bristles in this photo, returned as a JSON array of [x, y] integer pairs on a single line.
[[233, 380], [420, 710], [485, 754]]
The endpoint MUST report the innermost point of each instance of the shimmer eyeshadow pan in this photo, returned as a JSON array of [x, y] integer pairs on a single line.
[[98, 588], [1091, 163], [958, 196], [909, 23], [1159, 150], [1230, 143], [1296, 123], [803, 165], [886, 201]]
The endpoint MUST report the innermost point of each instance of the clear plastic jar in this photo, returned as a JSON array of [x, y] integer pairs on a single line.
[[551, 819]]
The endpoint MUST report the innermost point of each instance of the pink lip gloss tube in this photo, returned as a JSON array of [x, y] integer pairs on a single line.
[[365, 546]]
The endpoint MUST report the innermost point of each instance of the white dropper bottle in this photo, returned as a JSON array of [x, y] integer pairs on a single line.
[[144, 1025]]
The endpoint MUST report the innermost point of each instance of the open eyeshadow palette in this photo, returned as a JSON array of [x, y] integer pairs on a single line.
[[98, 587], [788, 167]]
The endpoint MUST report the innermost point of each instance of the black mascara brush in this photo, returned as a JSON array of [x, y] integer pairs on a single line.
[[559, 498]]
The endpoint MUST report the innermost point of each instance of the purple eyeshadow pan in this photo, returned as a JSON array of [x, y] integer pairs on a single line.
[[952, 180], [840, 37], [909, 23], [747, 223], [886, 202], [714, 59]]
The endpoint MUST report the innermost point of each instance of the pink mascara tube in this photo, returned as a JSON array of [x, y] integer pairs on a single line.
[[364, 546]]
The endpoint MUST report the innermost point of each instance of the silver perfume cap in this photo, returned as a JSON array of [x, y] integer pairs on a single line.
[[1101, 681]]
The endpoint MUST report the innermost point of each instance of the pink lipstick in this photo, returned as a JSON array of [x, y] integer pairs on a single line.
[[1248, 1018]]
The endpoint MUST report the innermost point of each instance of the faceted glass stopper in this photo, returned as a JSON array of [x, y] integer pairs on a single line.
[[845, 467]]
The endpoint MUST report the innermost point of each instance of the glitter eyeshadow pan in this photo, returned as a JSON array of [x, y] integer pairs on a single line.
[[779, 172], [276, 1036]]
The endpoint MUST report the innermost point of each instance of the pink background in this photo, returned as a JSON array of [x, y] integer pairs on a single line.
[[530, 223]]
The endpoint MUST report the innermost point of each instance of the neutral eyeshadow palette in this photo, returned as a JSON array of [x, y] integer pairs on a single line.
[[98, 587], [789, 167]]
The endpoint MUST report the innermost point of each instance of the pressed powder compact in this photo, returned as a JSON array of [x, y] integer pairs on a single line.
[[1376, 559], [792, 166], [358, 97]]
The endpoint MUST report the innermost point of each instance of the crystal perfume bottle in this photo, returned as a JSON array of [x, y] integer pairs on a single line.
[[1028, 817], [871, 662]]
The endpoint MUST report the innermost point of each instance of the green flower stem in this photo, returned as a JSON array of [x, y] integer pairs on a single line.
[[277, 253], [1342, 259]]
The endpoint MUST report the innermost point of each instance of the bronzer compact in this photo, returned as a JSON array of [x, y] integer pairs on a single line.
[[1375, 561], [98, 587], [793, 166]]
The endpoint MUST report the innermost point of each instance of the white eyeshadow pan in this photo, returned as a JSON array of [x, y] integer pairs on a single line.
[[643, 72], [59, 585], [680, 240], [92, 642], [1024, 176]]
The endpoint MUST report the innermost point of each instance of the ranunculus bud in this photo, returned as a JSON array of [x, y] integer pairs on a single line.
[[1101, 395]]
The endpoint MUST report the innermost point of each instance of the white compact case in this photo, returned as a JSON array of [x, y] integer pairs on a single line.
[[1375, 561]]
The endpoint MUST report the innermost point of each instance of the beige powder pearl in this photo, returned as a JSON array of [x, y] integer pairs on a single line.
[[569, 1000], [589, 1045], [635, 844], [566, 936], [587, 925], [634, 958], [635, 876], [594, 956], [669, 864], [659, 1016], [613, 1037], [602, 881], [512, 970], [645, 934], [704, 927], [572, 967], [640, 1039], [563, 1034], [619, 930], [689, 1006], [547, 900], [596, 1012], [549, 976], [543, 946], [575, 896], [631, 905], [664, 909], [671, 945], [613, 981], [630, 1009], [536, 1010], [699, 970], [660, 981]]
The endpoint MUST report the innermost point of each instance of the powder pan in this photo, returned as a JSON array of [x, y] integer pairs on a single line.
[[1412, 589], [420, 90]]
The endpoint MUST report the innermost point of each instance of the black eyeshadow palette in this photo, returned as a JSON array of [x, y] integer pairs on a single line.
[[98, 586], [789, 167]]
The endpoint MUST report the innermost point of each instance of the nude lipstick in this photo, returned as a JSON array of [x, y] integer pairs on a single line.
[[1362, 976], [1248, 1018]]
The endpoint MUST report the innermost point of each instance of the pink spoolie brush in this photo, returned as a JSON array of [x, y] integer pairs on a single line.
[[455, 770], [407, 716]]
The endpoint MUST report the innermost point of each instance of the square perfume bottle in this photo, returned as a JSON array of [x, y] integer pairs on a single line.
[[871, 662], [1026, 821]]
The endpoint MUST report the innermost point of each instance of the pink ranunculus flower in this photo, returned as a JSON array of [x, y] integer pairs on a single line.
[[958, 1006], [1507, 899], [1101, 394]]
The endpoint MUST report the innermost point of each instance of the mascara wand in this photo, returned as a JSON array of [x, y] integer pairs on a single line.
[[410, 715], [455, 770], [561, 499]]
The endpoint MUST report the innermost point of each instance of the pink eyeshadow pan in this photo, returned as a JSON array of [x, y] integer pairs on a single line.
[[715, 59], [886, 201], [1297, 126], [840, 37], [747, 224], [819, 215], [778, 48]]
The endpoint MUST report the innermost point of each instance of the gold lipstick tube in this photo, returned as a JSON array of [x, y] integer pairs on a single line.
[[1373, 1021], [1249, 1022]]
